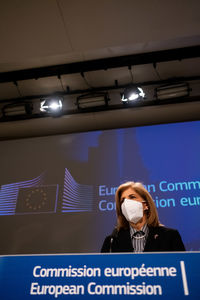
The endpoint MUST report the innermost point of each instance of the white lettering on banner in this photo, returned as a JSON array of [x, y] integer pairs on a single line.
[[164, 202], [125, 289], [135, 272], [190, 201], [106, 191], [109, 191], [107, 205], [95, 289], [38, 271], [108, 285], [179, 186], [151, 188], [56, 290]]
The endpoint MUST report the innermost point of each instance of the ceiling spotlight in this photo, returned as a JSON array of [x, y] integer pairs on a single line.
[[51, 105], [172, 91], [92, 100], [132, 93]]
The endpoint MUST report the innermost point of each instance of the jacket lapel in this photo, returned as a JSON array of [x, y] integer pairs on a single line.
[[152, 243], [125, 243]]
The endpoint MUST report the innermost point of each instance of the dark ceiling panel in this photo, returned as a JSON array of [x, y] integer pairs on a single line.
[[102, 64]]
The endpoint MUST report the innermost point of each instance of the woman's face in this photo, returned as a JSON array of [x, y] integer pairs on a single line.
[[131, 194]]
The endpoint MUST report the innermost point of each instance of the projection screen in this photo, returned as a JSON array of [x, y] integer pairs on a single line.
[[57, 192]]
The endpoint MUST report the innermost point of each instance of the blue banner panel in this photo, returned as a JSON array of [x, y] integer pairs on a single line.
[[103, 276]]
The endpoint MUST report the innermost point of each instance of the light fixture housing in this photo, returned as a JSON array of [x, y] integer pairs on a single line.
[[17, 109], [132, 93], [170, 91], [92, 100], [52, 105]]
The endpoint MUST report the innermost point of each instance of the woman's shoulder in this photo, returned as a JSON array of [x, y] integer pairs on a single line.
[[164, 229]]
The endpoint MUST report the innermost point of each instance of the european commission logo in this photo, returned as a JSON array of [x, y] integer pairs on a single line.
[[42, 199], [9, 193], [76, 197], [33, 196]]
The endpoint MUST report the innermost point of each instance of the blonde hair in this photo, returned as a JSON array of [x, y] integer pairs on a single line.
[[151, 213]]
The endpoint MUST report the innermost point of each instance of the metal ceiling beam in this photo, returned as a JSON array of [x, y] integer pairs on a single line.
[[102, 64], [103, 108]]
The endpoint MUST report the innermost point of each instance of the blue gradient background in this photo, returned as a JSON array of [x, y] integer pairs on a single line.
[[149, 154]]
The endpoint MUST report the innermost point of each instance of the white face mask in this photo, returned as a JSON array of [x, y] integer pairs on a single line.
[[132, 210]]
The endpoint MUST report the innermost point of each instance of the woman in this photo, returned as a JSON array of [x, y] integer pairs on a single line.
[[138, 227]]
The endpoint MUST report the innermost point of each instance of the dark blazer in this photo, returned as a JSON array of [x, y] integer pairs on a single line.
[[160, 239]]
